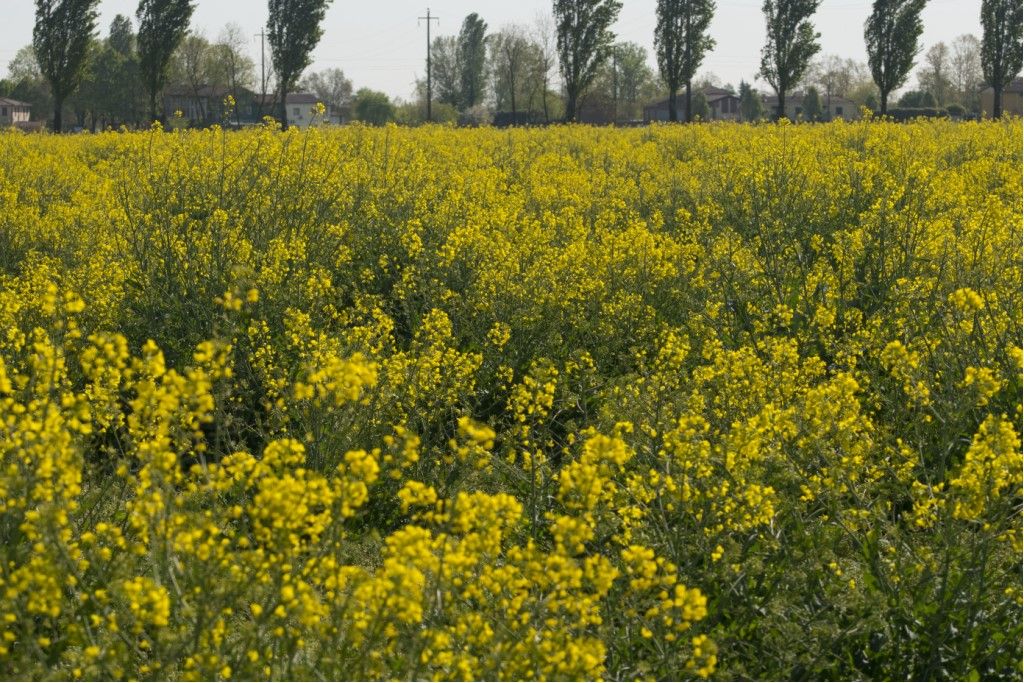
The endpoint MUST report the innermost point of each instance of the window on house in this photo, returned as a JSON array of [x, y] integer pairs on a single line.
[[3, 111], [295, 111], [799, 110], [839, 111]]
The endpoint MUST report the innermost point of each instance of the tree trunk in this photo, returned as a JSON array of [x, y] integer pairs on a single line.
[[781, 111], [997, 102], [58, 114], [512, 92], [570, 108], [284, 109], [200, 109], [673, 107], [883, 103], [545, 96], [689, 102], [152, 107]]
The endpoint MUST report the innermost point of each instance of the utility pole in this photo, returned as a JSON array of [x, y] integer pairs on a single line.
[[262, 35], [430, 88]]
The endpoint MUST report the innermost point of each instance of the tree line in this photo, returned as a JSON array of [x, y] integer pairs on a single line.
[[120, 79], [547, 71]]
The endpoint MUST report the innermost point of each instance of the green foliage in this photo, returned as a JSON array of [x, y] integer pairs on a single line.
[[26, 82], [373, 107], [163, 24], [445, 68], [122, 36], [111, 92], [812, 105], [681, 40], [61, 37], [891, 34], [956, 111], [510, 53], [472, 59], [584, 44], [633, 81], [623, 85], [119, 74], [415, 113], [24, 66], [102, 90], [790, 45], [634, 75], [751, 106], [864, 92], [1001, 45], [293, 30], [916, 99], [700, 106]]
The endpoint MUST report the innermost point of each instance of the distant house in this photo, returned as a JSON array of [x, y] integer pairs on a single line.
[[300, 109], [13, 112], [832, 107], [204, 106], [723, 105], [300, 106], [835, 107], [1012, 103]]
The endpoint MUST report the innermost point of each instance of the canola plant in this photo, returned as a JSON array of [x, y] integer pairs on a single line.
[[716, 401]]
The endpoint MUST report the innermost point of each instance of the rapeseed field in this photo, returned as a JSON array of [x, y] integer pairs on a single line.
[[716, 401]]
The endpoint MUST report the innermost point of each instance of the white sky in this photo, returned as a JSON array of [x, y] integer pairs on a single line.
[[380, 45]]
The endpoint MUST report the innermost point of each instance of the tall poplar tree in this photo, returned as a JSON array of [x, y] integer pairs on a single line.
[[293, 30], [60, 39], [891, 34], [790, 45], [681, 40], [1000, 46], [163, 24], [127, 91], [584, 44], [473, 55]]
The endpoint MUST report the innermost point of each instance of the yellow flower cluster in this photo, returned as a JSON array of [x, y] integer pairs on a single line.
[[149, 603], [658, 403]]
